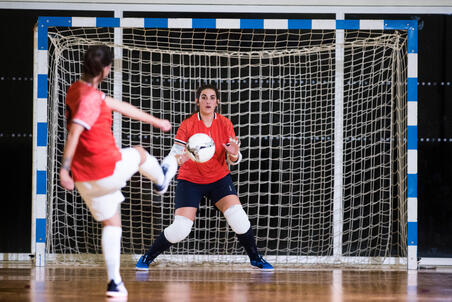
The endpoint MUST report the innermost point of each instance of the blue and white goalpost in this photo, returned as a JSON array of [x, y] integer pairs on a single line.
[[326, 111]]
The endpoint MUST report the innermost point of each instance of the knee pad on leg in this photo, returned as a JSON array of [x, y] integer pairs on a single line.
[[151, 169], [237, 219], [179, 229]]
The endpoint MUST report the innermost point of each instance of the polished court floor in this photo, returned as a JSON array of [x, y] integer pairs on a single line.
[[23, 282]]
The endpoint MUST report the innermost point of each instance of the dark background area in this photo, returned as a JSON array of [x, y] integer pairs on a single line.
[[16, 123], [434, 131], [435, 121]]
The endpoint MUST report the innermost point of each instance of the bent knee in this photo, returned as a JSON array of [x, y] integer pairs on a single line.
[[143, 153], [179, 229], [237, 219]]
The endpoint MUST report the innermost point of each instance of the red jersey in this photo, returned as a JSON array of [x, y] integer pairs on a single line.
[[215, 168], [96, 154]]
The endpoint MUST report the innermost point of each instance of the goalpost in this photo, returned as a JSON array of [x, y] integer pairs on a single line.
[[326, 111]]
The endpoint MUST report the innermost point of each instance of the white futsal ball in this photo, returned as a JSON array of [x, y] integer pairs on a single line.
[[200, 147]]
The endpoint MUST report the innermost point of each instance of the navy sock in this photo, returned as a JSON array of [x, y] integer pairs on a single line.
[[249, 243], [160, 245]]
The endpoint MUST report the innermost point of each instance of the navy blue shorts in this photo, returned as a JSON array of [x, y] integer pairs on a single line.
[[189, 194]]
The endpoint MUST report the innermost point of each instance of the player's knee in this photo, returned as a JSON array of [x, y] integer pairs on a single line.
[[179, 229], [237, 219], [143, 154], [151, 169]]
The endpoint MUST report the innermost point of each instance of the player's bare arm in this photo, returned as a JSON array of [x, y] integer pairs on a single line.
[[71, 144], [137, 114]]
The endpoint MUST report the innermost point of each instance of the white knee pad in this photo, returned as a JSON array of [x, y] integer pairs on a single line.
[[151, 169], [179, 229], [237, 219]]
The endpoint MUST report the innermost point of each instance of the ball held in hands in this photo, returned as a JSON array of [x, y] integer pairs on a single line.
[[200, 147]]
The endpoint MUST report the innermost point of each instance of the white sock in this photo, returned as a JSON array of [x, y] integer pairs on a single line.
[[151, 169], [111, 247]]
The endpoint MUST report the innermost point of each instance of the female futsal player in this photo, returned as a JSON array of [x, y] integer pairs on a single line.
[[211, 179], [96, 166]]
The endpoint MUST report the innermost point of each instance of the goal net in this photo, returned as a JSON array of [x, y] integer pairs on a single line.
[[278, 87]]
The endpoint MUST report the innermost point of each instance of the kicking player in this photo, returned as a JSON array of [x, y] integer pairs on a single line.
[[96, 166]]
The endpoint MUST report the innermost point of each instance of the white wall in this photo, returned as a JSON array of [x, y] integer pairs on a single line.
[[410, 3], [339, 7]]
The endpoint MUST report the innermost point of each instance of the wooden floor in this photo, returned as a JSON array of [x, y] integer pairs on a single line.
[[22, 282]]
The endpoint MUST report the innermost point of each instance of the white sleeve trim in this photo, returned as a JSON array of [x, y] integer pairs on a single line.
[[233, 163], [81, 123], [180, 142]]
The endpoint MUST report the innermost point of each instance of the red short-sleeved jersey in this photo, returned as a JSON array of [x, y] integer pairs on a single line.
[[96, 154], [216, 168]]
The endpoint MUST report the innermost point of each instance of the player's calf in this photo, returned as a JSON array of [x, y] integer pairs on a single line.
[[176, 232], [151, 169], [240, 224]]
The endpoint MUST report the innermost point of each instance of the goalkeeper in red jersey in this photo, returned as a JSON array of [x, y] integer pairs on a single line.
[[96, 166], [211, 179]]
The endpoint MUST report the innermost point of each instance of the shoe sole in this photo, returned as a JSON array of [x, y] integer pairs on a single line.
[[263, 269], [161, 193], [116, 295], [141, 269]]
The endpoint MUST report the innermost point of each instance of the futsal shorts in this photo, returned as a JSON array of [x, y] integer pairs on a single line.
[[103, 196], [189, 194]]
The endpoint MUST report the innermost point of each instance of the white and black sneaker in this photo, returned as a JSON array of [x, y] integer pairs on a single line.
[[169, 168], [116, 290]]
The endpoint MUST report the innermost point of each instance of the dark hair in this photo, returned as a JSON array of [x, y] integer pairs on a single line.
[[96, 58], [207, 86]]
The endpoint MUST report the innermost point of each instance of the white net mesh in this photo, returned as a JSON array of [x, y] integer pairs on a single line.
[[278, 89]]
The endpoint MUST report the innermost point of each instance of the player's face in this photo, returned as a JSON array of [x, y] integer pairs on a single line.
[[207, 101]]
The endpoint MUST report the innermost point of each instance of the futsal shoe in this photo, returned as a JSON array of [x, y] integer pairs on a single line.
[[116, 290], [261, 264], [143, 263], [169, 168]]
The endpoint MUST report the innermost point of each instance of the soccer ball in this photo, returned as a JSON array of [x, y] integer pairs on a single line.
[[200, 147]]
